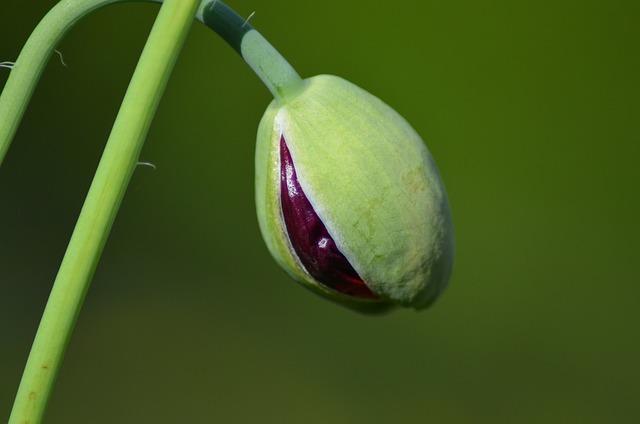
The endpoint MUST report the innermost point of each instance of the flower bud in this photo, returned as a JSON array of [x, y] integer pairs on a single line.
[[349, 200]]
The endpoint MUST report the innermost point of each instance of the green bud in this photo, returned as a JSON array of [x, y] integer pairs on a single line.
[[370, 181]]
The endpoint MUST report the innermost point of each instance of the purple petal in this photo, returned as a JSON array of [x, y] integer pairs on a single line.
[[311, 240]]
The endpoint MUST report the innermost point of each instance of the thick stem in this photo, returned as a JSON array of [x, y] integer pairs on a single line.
[[99, 211]]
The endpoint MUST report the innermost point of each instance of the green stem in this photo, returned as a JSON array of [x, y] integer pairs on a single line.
[[119, 158], [276, 73], [98, 213], [32, 60]]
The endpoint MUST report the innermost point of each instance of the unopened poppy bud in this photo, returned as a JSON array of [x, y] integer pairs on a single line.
[[350, 202]]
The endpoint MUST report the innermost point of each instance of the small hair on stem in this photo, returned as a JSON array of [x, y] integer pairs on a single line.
[[61, 58], [246, 21], [149, 164]]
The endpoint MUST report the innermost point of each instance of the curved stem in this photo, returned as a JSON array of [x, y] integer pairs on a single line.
[[119, 158], [98, 213], [276, 73], [33, 58]]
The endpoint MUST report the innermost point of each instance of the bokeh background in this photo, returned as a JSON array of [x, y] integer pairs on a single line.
[[532, 110]]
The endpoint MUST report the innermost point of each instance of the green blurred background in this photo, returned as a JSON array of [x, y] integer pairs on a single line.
[[532, 110]]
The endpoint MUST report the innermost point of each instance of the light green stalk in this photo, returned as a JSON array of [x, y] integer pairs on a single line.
[[32, 60], [109, 184]]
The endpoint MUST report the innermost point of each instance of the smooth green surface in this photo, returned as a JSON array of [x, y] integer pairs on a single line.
[[225, 22], [529, 108], [273, 70], [100, 208]]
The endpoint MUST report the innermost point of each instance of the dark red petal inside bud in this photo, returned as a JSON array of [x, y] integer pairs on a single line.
[[311, 240]]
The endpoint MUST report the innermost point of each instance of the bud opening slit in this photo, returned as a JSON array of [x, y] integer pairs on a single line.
[[310, 239]]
